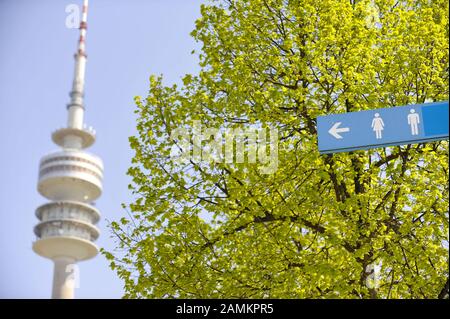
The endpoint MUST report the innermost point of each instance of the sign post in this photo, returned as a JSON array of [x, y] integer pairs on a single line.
[[410, 124]]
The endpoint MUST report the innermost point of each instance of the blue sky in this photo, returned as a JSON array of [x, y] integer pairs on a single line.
[[127, 41]]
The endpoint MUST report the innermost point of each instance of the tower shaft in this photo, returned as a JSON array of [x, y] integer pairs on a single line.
[[64, 278]]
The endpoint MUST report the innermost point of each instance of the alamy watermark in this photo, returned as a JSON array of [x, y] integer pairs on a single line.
[[73, 276], [198, 144], [373, 277], [74, 16]]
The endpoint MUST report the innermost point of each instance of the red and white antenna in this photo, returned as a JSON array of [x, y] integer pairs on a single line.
[[76, 105], [83, 28]]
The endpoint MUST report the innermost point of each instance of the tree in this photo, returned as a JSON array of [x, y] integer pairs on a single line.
[[364, 224]]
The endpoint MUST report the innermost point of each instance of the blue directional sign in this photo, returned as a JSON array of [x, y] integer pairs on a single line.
[[383, 127]]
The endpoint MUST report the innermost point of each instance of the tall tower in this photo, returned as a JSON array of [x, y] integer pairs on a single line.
[[71, 179]]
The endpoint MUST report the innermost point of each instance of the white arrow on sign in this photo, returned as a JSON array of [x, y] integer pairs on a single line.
[[335, 130]]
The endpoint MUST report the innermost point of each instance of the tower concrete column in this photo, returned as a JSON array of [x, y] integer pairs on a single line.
[[64, 278], [75, 118]]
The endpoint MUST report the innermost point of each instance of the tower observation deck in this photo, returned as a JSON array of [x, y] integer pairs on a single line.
[[71, 179]]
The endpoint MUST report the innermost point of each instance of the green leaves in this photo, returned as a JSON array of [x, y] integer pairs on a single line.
[[313, 227]]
